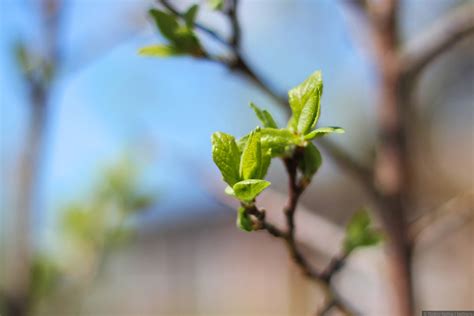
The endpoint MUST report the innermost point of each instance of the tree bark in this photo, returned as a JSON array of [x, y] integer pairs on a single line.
[[19, 263], [391, 174]]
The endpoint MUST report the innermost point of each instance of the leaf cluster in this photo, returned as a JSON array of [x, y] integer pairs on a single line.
[[178, 31], [244, 163]]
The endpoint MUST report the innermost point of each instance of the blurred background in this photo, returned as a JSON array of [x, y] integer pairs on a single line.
[[110, 155]]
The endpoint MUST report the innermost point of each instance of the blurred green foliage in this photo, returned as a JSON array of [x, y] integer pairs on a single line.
[[360, 233], [90, 228], [178, 31]]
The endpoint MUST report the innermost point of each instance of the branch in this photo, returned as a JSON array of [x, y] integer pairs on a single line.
[[295, 189], [446, 32], [264, 224], [236, 33], [460, 205]]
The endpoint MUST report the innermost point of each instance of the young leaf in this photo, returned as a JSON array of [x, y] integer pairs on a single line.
[[251, 160], [305, 103], [307, 115], [319, 132], [166, 23], [278, 140], [158, 51], [244, 221], [311, 161], [247, 190], [229, 191], [226, 156], [186, 41], [264, 116], [359, 233], [190, 15], [216, 4], [266, 160]]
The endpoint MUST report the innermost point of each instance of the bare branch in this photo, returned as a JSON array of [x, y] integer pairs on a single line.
[[294, 192], [445, 33], [236, 33], [460, 205]]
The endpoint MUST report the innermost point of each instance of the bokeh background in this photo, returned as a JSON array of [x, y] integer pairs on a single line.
[[127, 211]]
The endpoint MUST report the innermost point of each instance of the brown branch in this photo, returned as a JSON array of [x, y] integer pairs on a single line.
[[296, 188], [445, 33], [336, 302], [334, 266], [18, 298], [264, 224], [235, 25], [295, 191]]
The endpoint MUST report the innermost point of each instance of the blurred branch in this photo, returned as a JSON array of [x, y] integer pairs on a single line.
[[460, 206], [38, 75], [442, 35], [391, 176], [234, 21], [336, 302]]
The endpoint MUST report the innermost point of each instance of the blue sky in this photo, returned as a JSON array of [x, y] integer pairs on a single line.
[[108, 99]]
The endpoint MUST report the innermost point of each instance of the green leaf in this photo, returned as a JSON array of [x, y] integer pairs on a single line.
[[319, 132], [226, 156], [305, 103], [307, 115], [264, 116], [266, 160], [311, 161], [158, 51], [278, 140], [190, 15], [247, 190], [244, 222], [216, 4], [229, 191], [251, 160], [359, 232], [186, 41], [167, 23], [242, 141]]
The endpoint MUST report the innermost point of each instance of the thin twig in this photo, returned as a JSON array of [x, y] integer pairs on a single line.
[[461, 205], [295, 189], [235, 25], [334, 266], [438, 38]]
